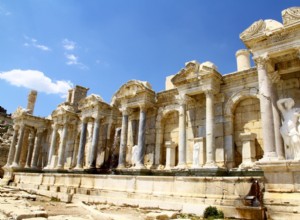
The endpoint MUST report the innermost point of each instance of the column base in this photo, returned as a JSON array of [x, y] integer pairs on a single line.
[[210, 165], [121, 166], [182, 166], [15, 166], [138, 167]]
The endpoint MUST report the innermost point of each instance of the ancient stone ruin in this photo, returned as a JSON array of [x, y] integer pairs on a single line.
[[230, 140]]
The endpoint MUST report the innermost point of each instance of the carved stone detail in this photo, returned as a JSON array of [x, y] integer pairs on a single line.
[[291, 15]]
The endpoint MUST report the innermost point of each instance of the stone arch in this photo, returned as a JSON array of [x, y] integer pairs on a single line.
[[162, 113], [229, 109]]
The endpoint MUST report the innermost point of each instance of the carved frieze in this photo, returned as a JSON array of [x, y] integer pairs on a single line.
[[255, 29]]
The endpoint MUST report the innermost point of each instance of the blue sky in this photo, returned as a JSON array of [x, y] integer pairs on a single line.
[[51, 45]]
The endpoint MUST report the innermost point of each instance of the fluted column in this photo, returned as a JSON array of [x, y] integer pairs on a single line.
[[37, 148], [210, 135], [62, 147], [82, 142], [93, 153], [141, 138], [123, 142], [182, 134], [30, 149], [53, 143], [266, 109], [12, 148], [19, 147]]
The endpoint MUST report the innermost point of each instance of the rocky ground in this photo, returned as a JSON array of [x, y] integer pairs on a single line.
[[18, 204]]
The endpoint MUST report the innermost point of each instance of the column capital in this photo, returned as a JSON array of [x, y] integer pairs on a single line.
[[261, 60], [143, 106], [54, 126], [84, 119], [125, 110], [183, 99]]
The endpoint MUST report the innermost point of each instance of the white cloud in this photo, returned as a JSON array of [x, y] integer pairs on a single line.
[[72, 59], [34, 79], [68, 44], [31, 42]]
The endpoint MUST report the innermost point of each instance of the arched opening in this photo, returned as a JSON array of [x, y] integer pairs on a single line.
[[247, 120]]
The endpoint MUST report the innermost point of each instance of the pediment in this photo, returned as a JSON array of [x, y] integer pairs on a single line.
[[131, 89], [187, 74], [291, 15], [63, 109]]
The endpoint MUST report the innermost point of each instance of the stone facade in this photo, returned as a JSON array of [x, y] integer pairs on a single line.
[[204, 121]]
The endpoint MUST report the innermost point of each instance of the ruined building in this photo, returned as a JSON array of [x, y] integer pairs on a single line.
[[166, 146]]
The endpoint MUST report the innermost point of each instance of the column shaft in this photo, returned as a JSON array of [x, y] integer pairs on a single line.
[[93, 153], [81, 149], [19, 148], [36, 151], [52, 146], [12, 148], [141, 139], [182, 136], [123, 142], [210, 136], [266, 110], [62, 147], [30, 149]]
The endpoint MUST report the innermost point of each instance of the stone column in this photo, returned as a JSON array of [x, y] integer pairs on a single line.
[[170, 154], [182, 134], [30, 149], [12, 148], [82, 142], [210, 136], [141, 138], [53, 143], [123, 142], [275, 78], [248, 150], [93, 153], [62, 147], [19, 148], [37, 148], [266, 109]]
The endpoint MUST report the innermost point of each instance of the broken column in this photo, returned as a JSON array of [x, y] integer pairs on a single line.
[[31, 101]]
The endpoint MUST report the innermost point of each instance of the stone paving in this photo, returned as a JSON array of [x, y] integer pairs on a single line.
[[16, 204]]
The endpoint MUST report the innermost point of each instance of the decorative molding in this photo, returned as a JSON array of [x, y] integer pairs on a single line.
[[256, 28], [291, 15]]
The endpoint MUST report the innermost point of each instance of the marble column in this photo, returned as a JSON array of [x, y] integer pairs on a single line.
[[275, 78], [12, 148], [37, 148], [53, 144], [210, 136], [93, 152], [19, 148], [82, 141], [123, 142], [141, 138], [62, 147], [182, 134], [266, 109], [30, 149]]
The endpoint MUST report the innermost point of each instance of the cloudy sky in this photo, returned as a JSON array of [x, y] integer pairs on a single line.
[[52, 45]]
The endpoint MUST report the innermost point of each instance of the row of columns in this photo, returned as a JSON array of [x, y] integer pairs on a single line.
[[93, 151], [33, 151], [139, 160]]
